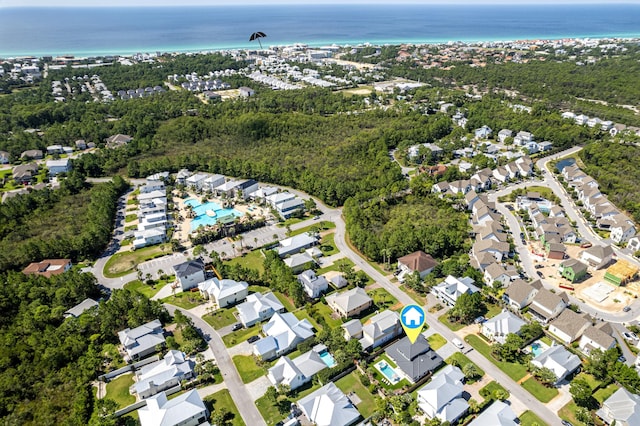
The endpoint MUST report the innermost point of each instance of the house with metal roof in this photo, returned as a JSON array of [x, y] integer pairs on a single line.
[[224, 292], [142, 341], [295, 373], [163, 374], [283, 334], [621, 408], [498, 327], [559, 360], [185, 410], [258, 307], [498, 414], [442, 397]]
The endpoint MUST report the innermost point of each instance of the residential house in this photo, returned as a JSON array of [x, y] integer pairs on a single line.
[[442, 397], [495, 272], [288, 208], [54, 149], [470, 198], [80, 308], [296, 244], [295, 373], [196, 181], [299, 262], [622, 408], [498, 414], [163, 374], [227, 189], [246, 92], [32, 154], [81, 144], [418, 261], [559, 360], [497, 328], [148, 237], [545, 146], [520, 293], [211, 182], [481, 180], [118, 140], [581, 119], [573, 270], [261, 194], [258, 308], [380, 329], [246, 187], [282, 333], [569, 326], [633, 244], [501, 174], [482, 260], [142, 341], [182, 175], [150, 186], [597, 256], [224, 292], [504, 134], [184, 410], [622, 230], [525, 166], [555, 250], [499, 250], [484, 215], [48, 267], [349, 303], [24, 173], [415, 360], [352, 329], [546, 305], [278, 198], [189, 274], [483, 132], [599, 337], [491, 230], [339, 281], [329, 406], [312, 284], [5, 157], [522, 138], [451, 288]]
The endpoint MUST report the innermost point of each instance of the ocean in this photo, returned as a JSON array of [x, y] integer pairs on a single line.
[[102, 31]]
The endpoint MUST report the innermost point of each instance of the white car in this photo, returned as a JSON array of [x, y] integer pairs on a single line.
[[629, 335], [457, 343]]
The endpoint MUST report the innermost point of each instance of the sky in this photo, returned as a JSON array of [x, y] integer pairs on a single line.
[[121, 3]]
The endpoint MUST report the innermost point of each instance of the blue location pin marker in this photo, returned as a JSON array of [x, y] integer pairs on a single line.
[[412, 318]]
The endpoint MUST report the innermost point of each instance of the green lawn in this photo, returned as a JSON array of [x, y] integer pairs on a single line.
[[259, 288], [568, 412], [221, 318], [462, 361], [130, 218], [492, 310], [147, 290], [118, 390], [351, 383], [593, 382], [421, 300], [247, 368], [251, 260], [528, 418], [222, 399], [490, 389], [185, 300], [241, 335], [320, 226], [326, 313], [286, 302], [382, 299], [602, 394], [291, 221], [453, 326], [540, 391], [328, 246], [512, 369], [335, 266], [269, 411], [122, 263], [436, 341]]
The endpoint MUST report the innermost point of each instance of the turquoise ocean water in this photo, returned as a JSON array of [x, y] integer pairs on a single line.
[[99, 31]]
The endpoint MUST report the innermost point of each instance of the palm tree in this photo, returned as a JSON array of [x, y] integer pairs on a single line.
[[255, 241], [223, 255], [233, 246], [240, 238]]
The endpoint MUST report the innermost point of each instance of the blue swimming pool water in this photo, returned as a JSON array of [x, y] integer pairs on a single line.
[[327, 358], [389, 373], [536, 349], [202, 219]]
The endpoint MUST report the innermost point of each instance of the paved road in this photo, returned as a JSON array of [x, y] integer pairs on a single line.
[[238, 390]]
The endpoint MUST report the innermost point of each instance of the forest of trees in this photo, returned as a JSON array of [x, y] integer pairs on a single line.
[[47, 362], [615, 167], [72, 222]]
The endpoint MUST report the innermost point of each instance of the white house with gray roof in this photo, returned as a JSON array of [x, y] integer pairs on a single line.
[[295, 373], [520, 293], [621, 408], [597, 337], [498, 414], [498, 327], [569, 326], [380, 329], [451, 288], [258, 308], [184, 410], [559, 360], [547, 305], [162, 375], [224, 292], [296, 244], [312, 284], [142, 341], [442, 397], [329, 406], [189, 274], [283, 334]]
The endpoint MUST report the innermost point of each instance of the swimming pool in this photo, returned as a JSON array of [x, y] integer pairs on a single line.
[[388, 372], [208, 213], [536, 349], [327, 358]]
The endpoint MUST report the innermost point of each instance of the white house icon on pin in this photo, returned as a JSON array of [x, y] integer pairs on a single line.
[[412, 317]]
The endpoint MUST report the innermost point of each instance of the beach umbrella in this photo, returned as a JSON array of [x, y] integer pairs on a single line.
[[257, 36]]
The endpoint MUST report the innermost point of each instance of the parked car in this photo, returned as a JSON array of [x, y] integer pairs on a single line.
[[479, 320], [585, 245], [253, 339], [509, 207], [457, 343], [626, 309], [621, 358], [629, 335], [538, 266], [566, 423], [540, 274], [236, 327]]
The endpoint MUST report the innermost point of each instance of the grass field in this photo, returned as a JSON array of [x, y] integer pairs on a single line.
[[320, 226], [421, 300], [222, 399], [512, 369], [490, 390], [326, 313], [251, 260], [602, 394], [568, 412], [121, 264], [147, 290], [436, 341], [236, 337], [351, 383], [453, 326], [328, 246], [528, 418], [540, 391], [335, 266], [247, 368], [462, 360], [186, 300], [383, 300], [221, 318], [118, 390]]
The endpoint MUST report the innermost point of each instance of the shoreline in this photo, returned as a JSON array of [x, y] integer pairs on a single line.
[[127, 52]]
